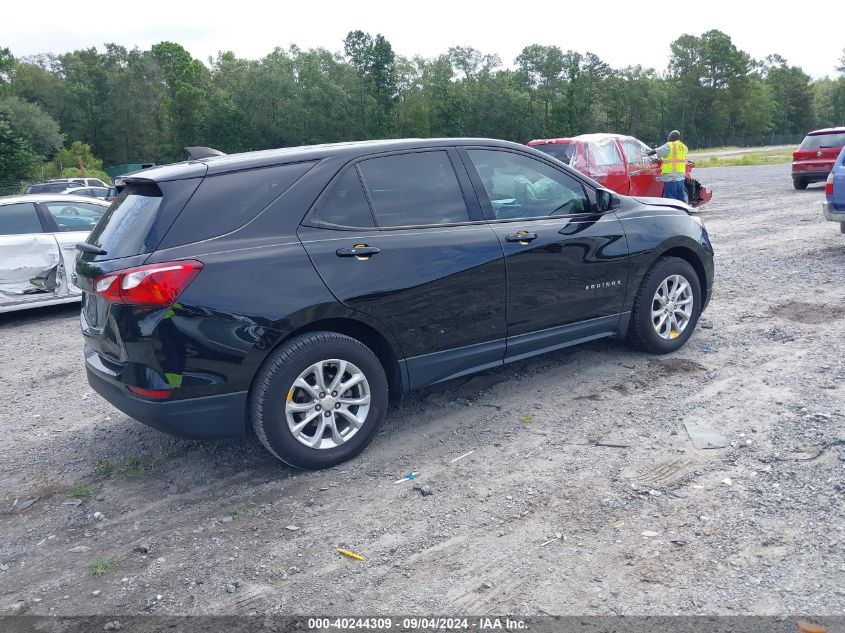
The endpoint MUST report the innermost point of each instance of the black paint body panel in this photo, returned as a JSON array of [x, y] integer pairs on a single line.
[[438, 302]]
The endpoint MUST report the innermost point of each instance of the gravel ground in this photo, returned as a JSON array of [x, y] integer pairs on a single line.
[[584, 493]]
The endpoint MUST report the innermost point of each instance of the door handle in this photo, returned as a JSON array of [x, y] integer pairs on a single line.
[[359, 250], [523, 237]]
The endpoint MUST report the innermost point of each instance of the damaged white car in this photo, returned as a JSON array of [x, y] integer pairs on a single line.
[[38, 237]]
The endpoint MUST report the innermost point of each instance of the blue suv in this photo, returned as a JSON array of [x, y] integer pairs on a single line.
[[834, 191]]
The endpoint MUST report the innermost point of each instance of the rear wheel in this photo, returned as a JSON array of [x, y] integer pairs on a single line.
[[666, 307], [318, 400], [799, 183]]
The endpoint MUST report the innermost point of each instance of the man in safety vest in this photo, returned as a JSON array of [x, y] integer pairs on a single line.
[[674, 167]]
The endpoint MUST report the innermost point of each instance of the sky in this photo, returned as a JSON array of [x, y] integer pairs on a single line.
[[621, 33]]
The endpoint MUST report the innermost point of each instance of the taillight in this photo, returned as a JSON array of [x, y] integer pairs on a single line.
[[156, 285], [828, 185], [796, 155], [151, 393]]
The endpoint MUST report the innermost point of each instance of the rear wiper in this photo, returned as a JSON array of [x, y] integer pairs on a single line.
[[90, 248]]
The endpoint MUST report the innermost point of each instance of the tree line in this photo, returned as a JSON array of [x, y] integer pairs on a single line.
[[128, 106]]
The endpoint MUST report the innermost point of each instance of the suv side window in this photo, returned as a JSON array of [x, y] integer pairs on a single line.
[[519, 186], [75, 216], [634, 151], [19, 218], [605, 154], [419, 188], [346, 203]]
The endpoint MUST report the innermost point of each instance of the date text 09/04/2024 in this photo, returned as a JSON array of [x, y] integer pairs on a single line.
[[417, 623]]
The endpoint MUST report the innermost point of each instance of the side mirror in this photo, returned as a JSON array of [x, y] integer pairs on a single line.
[[606, 201]]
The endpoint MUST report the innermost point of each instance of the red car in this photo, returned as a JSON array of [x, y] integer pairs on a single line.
[[618, 162], [814, 158]]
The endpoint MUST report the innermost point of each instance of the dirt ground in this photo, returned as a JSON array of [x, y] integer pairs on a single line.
[[583, 493]]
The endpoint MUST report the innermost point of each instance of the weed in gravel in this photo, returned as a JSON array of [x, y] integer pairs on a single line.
[[46, 485], [78, 491], [236, 512], [129, 468], [103, 469], [132, 468], [100, 567]]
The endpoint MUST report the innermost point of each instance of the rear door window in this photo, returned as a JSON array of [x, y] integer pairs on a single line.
[[635, 152], [123, 228], [606, 154], [414, 189], [19, 218], [346, 203], [75, 216]]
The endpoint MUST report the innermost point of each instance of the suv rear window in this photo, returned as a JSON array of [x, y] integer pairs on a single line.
[[124, 227], [564, 153], [817, 141]]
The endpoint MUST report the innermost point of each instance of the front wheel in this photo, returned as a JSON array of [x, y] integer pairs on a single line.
[[318, 400], [666, 307]]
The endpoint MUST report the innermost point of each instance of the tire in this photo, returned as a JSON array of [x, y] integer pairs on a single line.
[[799, 183], [642, 331], [273, 396]]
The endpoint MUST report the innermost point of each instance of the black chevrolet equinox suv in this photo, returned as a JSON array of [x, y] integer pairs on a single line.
[[294, 291]]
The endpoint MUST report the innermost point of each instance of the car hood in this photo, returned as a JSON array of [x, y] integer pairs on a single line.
[[665, 202]]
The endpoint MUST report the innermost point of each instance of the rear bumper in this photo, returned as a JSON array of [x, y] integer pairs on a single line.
[[811, 176], [221, 415], [832, 213]]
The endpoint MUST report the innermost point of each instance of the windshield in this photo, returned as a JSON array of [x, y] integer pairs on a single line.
[[817, 141]]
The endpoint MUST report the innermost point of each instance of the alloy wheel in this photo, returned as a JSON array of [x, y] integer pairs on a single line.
[[671, 307], [327, 404]]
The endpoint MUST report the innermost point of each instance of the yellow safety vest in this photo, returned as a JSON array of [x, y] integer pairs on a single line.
[[676, 161]]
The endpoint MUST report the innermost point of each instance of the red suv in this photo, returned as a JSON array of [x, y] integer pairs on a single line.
[[618, 162], [814, 158]]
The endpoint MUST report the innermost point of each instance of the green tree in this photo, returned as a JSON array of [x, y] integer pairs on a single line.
[[7, 69], [540, 67], [375, 62], [186, 81], [792, 95], [29, 122], [18, 161], [77, 154]]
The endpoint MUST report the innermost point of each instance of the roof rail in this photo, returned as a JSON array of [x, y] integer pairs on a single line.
[[198, 151]]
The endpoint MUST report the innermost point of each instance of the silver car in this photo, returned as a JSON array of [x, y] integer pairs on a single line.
[[38, 236]]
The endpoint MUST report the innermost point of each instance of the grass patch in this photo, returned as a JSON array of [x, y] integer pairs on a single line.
[[103, 469], [741, 156], [78, 491], [132, 468], [100, 567], [129, 468], [236, 511], [46, 485]]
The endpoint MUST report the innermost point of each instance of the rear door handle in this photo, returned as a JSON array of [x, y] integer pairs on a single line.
[[358, 251], [521, 237]]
